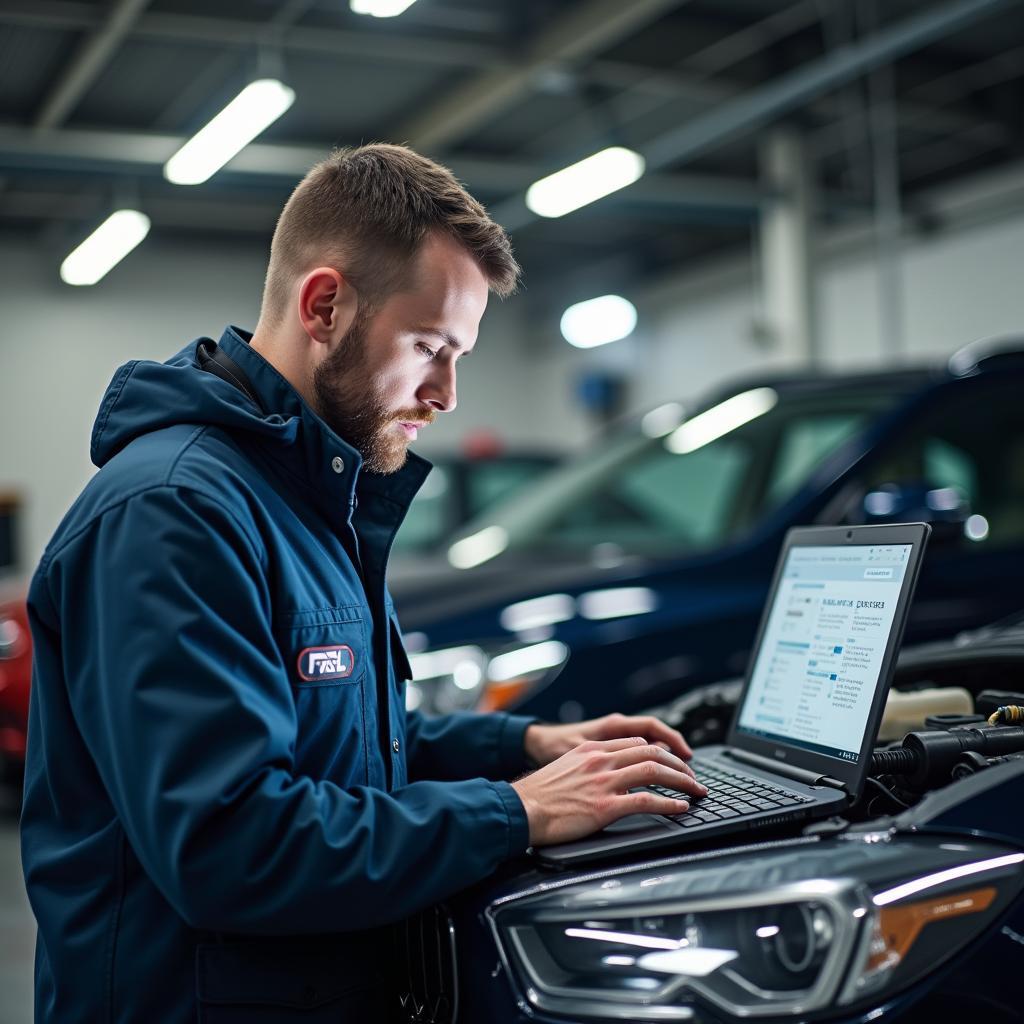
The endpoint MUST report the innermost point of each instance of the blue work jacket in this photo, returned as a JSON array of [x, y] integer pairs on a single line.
[[225, 798]]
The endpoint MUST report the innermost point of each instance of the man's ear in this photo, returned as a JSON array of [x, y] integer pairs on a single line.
[[327, 305]]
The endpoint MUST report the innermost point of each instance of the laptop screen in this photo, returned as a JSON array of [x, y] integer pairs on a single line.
[[815, 676]]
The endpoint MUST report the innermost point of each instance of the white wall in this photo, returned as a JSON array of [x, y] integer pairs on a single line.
[[59, 346]]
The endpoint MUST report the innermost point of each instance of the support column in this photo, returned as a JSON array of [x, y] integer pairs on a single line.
[[787, 248]]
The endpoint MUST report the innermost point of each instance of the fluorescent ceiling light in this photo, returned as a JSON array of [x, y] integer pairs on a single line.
[[256, 107], [105, 247], [583, 182], [720, 419], [381, 8], [598, 321]]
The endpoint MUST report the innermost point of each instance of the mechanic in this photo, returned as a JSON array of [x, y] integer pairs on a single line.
[[225, 798]]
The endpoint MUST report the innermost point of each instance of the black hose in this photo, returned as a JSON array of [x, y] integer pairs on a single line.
[[900, 761]]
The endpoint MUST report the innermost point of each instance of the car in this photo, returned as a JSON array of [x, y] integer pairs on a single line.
[[638, 570], [15, 680], [907, 908]]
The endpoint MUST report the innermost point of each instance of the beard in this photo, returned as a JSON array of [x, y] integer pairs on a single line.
[[354, 403]]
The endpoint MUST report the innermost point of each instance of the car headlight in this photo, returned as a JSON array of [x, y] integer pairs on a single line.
[[651, 947], [472, 678]]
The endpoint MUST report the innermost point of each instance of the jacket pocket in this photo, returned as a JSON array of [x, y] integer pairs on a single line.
[[324, 646], [274, 983], [329, 663]]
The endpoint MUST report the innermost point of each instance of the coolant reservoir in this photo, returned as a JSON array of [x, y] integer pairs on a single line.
[[906, 712]]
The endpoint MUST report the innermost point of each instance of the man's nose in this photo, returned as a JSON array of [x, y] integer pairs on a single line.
[[439, 391]]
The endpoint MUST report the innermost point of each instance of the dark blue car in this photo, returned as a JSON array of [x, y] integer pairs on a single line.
[[638, 571], [908, 908]]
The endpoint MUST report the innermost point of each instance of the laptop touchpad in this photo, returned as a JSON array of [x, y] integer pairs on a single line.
[[638, 823]]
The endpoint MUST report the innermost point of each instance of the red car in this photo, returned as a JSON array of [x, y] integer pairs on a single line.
[[15, 677]]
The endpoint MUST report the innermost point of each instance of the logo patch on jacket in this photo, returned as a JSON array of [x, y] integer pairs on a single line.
[[334, 662]]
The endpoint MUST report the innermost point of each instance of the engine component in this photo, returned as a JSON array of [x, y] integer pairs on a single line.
[[905, 711], [1008, 714], [928, 758]]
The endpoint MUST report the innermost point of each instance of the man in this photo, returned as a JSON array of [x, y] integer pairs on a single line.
[[224, 794]]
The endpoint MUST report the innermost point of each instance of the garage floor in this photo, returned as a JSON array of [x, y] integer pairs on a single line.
[[17, 927]]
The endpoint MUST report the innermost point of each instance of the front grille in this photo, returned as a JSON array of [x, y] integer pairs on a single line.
[[425, 970]]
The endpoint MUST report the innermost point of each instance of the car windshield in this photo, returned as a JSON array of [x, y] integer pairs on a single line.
[[662, 487]]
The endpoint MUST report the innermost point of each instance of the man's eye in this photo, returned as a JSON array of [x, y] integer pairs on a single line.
[[427, 350]]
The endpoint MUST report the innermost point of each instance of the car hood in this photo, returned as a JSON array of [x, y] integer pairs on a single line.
[[427, 589]]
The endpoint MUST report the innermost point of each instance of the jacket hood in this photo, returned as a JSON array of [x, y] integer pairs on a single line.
[[145, 396]]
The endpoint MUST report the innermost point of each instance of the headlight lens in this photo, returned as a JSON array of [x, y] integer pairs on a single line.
[[773, 953], [470, 677], [603, 950]]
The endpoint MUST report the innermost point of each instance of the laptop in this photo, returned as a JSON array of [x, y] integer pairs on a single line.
[[799, 746]]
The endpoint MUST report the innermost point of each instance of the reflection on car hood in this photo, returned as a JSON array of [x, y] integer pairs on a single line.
[[428, 589]]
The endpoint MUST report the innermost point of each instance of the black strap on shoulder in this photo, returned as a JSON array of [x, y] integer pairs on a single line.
[[215, 360]]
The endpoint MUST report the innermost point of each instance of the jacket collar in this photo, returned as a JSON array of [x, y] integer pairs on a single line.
[[329, 466]]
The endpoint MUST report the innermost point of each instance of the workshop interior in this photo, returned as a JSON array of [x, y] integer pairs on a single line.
[[743, 451]]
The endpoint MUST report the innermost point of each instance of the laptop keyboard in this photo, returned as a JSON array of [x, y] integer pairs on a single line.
[[730, 795]]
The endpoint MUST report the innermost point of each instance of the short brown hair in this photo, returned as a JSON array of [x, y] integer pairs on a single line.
[[366, 211]]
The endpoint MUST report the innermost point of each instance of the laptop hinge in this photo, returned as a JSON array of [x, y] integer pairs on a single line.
[[788, 770]]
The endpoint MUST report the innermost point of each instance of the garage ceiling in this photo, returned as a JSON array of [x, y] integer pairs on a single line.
[[94, 96]]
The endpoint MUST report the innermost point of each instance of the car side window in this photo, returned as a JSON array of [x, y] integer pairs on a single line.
[[802, 446], [969, 449], [490, 481], [661, 498]]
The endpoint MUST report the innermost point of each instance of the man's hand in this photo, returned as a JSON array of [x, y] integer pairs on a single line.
[[588, 788], [545, 743]]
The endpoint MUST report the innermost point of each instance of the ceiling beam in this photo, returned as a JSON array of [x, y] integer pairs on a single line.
[[246, 33], [181, 213], [584, 31], [750, 111], [120, 150], [87, 64], [681, 82], [789, 92]]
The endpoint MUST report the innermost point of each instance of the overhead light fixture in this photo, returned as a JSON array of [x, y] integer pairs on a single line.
[[720, 419], [584, 182], [254, 109], [381, 8], [105, 247], [598, 321]]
